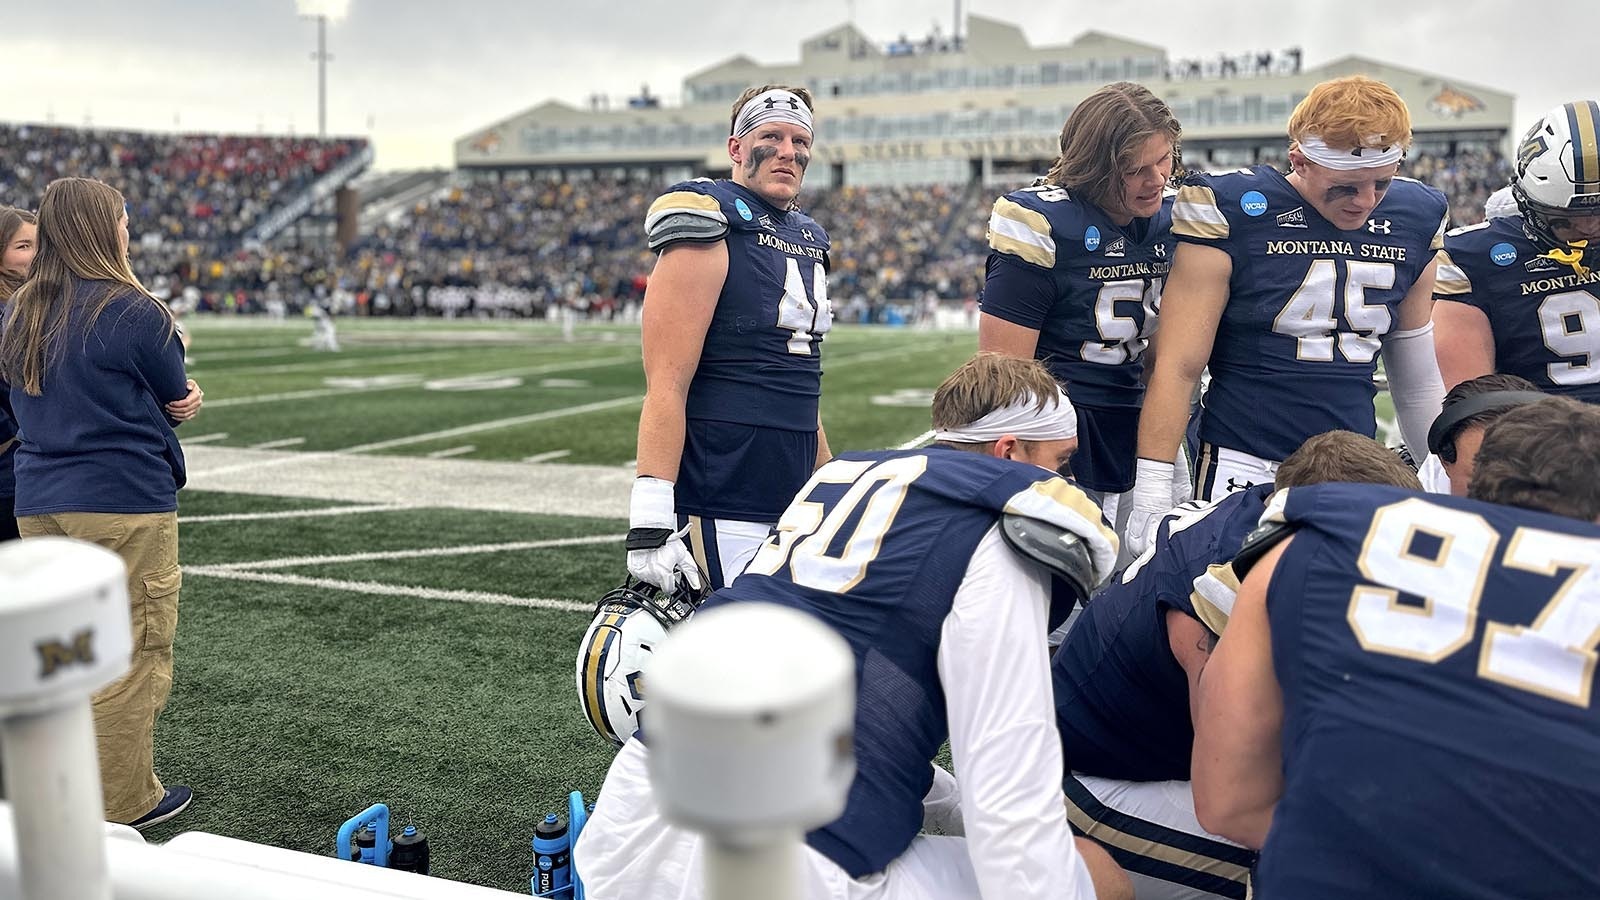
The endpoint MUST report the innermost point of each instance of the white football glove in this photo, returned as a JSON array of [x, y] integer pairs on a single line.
[[656, 551], [1182, 480], [1150, 499]]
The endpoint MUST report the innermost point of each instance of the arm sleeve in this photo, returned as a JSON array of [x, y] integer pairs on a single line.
[[1198, 218], [157, 355], [1016, 291], [1414, 382], [995, 670]]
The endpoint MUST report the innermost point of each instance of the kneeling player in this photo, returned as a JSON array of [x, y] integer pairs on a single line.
[[938, 567], [1402, 705], [1125, 676]]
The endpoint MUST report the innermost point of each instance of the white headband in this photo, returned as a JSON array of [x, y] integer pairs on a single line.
[[1023, 420], [1345, 160], [776, 105]]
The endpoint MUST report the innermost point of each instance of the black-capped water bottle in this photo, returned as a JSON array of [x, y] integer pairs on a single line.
[[410, 852], [552, 859]]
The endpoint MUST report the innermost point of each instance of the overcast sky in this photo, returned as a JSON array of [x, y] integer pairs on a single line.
[[415, 75]]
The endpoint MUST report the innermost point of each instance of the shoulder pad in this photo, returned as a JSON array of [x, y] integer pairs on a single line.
[[1022, 231], [683, 226], [1195, 212], [1451, 280], [1256, 544], [1053, 547]]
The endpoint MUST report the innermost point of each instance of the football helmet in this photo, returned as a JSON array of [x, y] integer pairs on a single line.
[[629, 622], [1557, 174]]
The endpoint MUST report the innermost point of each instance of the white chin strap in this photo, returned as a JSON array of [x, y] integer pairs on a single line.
[[776, 105], [1021, 419], [1346, 160]]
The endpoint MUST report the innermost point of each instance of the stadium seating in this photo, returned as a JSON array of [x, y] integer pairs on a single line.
[[514, 246]]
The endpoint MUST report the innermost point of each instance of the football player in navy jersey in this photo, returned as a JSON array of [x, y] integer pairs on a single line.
[[1523, 291], [1124, 679], [733, 322], [1287, 287], [1075, 269], [1402, 705], [943, 568], [1454, 437]]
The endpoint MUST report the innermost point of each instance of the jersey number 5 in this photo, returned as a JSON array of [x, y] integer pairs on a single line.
[[799, 313], [1309, 316], [1554, 656], [1122, 338]]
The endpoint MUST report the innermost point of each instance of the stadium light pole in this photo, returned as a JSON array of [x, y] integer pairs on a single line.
[[322, 11]]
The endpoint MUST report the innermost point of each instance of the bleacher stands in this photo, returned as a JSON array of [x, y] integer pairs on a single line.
[[511, 246]]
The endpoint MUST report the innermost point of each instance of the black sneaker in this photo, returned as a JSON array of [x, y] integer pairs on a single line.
[[175, 801]]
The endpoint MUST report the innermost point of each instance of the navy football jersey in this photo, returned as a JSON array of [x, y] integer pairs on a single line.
[[1097, 304], [1122, 700], [1308, 304], [876, 545], [1437, 660], [1092, 289], [1544, 316], [750, 437]]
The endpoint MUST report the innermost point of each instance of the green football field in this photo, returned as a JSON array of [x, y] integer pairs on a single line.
[[389, 556], [390, 553]]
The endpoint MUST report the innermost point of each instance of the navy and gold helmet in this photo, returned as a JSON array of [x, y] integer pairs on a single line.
[[1557, 175], [629, 622]]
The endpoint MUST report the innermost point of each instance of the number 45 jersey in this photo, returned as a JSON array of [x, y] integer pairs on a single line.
[[1308, 304], [1543, 315], [1440, 733]]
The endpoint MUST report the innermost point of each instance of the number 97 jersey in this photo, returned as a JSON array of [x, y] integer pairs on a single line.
[[761, 362], [1441, 736]]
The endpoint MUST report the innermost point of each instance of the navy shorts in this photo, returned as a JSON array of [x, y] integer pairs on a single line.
[[735, 471]]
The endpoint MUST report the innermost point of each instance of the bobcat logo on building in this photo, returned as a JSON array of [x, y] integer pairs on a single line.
[[1450, 103], [487, 143], [54, 655]]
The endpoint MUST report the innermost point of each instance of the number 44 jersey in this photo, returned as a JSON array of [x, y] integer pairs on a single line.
[[1308, 303], [761, 364], [1440, 733]]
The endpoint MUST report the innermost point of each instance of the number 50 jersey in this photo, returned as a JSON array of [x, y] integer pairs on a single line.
[[1440, 732], [1308, 304], [751, 436]]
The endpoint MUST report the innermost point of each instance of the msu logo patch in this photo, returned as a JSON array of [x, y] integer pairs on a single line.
[[55, 655]]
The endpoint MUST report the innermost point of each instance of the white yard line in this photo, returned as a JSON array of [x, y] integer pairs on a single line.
[[496, 424], [916, 442], [547, 456], [389, 590], [278, 444], [350, 362], [462, 450], [315, 393], [295, 513], [204, 438], [290, 562]]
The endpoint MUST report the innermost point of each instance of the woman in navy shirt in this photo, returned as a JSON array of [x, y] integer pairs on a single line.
[[17, 242], [97, 384]]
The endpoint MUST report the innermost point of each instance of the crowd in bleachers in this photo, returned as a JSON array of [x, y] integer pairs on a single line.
[[515, 245], [190, 196]]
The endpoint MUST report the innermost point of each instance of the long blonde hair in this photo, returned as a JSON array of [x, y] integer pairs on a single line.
[[78, 242], [1105, 134]]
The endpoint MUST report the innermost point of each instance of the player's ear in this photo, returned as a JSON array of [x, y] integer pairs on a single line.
[[1006, 447], [734, 150]]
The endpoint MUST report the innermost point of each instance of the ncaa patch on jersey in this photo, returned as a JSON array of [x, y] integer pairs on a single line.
[[1091, 238], [744, 209], [1254, 203], [1503, 254]]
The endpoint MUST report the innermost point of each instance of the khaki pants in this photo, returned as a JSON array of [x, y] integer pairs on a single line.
[[125, 711]]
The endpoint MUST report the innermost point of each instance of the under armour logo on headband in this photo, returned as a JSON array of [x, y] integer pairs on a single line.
[[776, 105]]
